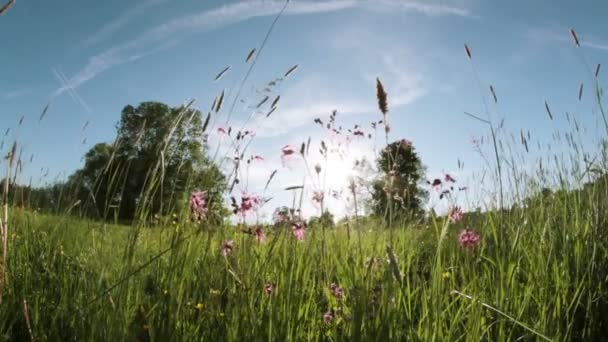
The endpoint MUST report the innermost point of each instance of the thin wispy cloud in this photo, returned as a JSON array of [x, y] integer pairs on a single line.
[[208, 20], [115, 25], [425, 7], [547, 35], [13, 94]]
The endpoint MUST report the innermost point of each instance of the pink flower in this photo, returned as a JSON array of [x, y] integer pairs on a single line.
[[337, 291], [297, 230], [456, 214], [226, 247], [359, 133], [249, 203], [435, 183], [468, 238], [268, 288], [406, 143], [260, 235], [449, 178], [198, 205], [287, 153], [221, 130], [258, 158], [328, 317], [317, 197]]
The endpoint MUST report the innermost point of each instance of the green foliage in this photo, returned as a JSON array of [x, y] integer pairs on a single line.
[[159, 156], [398, 194], [325, 220]]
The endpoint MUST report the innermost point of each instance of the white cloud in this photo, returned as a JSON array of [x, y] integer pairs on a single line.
[[16, 93], [115, 25], [563, 35], [151, 41], [425, 7]]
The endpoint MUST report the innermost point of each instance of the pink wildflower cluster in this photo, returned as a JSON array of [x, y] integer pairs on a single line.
[[285, 214], [287, 154], [456, 214], [468, 238], [328, 317], [297, 229], [198, 205], [226, 247], [337, 291], [317, 198], [260, 235], [268, 289], [248, 204], [445, 186]]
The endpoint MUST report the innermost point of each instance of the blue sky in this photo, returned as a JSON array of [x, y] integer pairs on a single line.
[[90, 59]]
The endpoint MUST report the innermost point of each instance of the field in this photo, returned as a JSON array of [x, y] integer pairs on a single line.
[[161, 236], [69, 280]]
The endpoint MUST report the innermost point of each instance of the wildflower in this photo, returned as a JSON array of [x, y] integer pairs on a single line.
[[260, 235], [298, 231], [328, 317], [456, 214], [449, 178], [268, 288], [214, 292], [258, 158], [280, 216], [199, 306], [435, 183], [221, 130], [337, 291], [317, 197], [468, 238], [406, 143], [227, 247], [249, 203], [446, 275], [287, 152], [198, 205]]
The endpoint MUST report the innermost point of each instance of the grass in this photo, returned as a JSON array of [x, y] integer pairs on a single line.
[[539, 273], [549, 285]]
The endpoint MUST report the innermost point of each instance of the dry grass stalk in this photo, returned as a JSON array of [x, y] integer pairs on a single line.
[[493, 94], [575, 37], [4, 222], [382, 97], [221, 74], [548, 110], [7, 6], [291, 70], [467, 51], [27, 321]]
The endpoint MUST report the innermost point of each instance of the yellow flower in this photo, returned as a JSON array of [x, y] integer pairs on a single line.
[[446, 275], [214, 292], [199, 306]]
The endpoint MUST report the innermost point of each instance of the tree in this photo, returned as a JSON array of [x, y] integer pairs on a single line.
[[158, 157], [326, 220], [398, 194]]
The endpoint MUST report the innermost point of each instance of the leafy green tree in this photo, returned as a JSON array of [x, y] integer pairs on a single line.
[[326, 220], [158, 157], [398, 193]]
